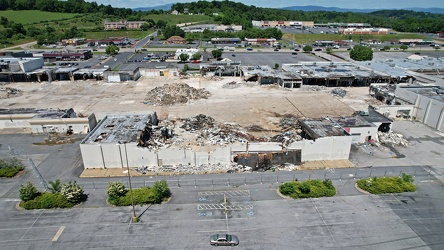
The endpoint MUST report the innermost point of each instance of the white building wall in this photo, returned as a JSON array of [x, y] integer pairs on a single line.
[[15, 121], [91, 156], [392, 111], [327, 148], [221, 155], [360, 134], [28, 65]]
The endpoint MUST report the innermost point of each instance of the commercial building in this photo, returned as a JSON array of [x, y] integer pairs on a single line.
[[211, 27], [79, 55], [189, 52], [130, 25], [46, 120], [19, 69], [272, 24], [363, 31]]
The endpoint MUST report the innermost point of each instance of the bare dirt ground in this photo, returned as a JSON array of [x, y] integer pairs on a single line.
[[246, 105]]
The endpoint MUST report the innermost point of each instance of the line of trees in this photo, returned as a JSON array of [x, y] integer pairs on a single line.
[[241, 14], [69, 6]]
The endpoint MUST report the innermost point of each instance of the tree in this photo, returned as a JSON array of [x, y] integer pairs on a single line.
[[361, 53], [217, 53], [404, 47], [276, 66], [72, 192], [55, 186], [329, 50], [112, 50], [386, 48], [28, 192], [184, 57], [196, 56], [307, 48]]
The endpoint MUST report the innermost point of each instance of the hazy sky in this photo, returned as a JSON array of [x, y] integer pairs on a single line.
[[350, 4]]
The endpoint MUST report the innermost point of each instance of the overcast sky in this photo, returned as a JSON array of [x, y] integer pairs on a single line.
[[349, 4]]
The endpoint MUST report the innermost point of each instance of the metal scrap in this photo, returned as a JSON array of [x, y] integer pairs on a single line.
[[170, 94], [231, 85]]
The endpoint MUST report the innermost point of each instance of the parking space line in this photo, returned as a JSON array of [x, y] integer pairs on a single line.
[[21, 238], [22, 228], [59, 232]]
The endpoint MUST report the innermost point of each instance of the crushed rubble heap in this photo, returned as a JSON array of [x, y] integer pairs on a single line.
[[198, 122], [312, 88], [392, 139], [339, 92], [195, 169], [289, 122], [231, 85], [170, 94], [8, 92], [209, 132]]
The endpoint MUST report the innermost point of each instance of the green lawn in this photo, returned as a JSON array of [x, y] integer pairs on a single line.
[[34, 16]]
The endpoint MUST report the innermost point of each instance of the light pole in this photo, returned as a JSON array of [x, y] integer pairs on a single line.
[[131, 189]]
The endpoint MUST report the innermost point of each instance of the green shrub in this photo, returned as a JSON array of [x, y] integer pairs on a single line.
[[115, 190], [145, 195], [10, 172], [308, 189], [47, 201], [72, 192], [55, 186], [28, 192], [10, 167], [383, 185]]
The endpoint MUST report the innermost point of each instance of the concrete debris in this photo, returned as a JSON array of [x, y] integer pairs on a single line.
[[289, 122], [393, 139], [339, 92], [209, 132], [312, 88], [286, 138], [198, 122], [170, 94], [195, 169], [231, 85], [8, 92]]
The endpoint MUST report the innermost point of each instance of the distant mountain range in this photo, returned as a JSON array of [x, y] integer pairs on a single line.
[[320, 8], [167, 7], [159, 7]]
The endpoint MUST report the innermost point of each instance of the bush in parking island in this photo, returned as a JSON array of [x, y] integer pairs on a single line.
[[10, 167], [384, 185], [70, 195], [308, 189], [119, 195]]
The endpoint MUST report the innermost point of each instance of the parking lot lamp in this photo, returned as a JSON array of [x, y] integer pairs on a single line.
[[135, 219]]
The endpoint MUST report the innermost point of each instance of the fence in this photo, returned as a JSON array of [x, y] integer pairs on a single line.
[[243, 179]]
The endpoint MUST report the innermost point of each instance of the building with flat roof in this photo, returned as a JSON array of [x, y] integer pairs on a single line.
[[46, 120], [131, 25]]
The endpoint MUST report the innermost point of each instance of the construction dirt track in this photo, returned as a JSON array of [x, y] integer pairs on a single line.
[[245, 105]]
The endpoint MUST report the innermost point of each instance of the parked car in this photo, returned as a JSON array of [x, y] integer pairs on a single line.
[[224, 240], [318, 49]]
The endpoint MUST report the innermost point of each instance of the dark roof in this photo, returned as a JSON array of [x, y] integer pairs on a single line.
[[318, 128], [374, 116]]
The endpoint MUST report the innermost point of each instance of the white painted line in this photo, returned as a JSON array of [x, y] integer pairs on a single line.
[[21, 240], [59, 232], [23, 228], [427, 181], [223, 230], [249, 218], [12, 200]]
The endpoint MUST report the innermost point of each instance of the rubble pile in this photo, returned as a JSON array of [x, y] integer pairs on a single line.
[[195, 169], [392, 139], [170, 94], [8, 92], [286, 138], [198, 122], [289, 122], [312, 88], [339, 92], [231, 85], [223, 134]]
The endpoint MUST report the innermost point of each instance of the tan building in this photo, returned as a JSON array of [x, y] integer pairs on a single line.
[[176, 40], [364, 31], [123, 25]]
